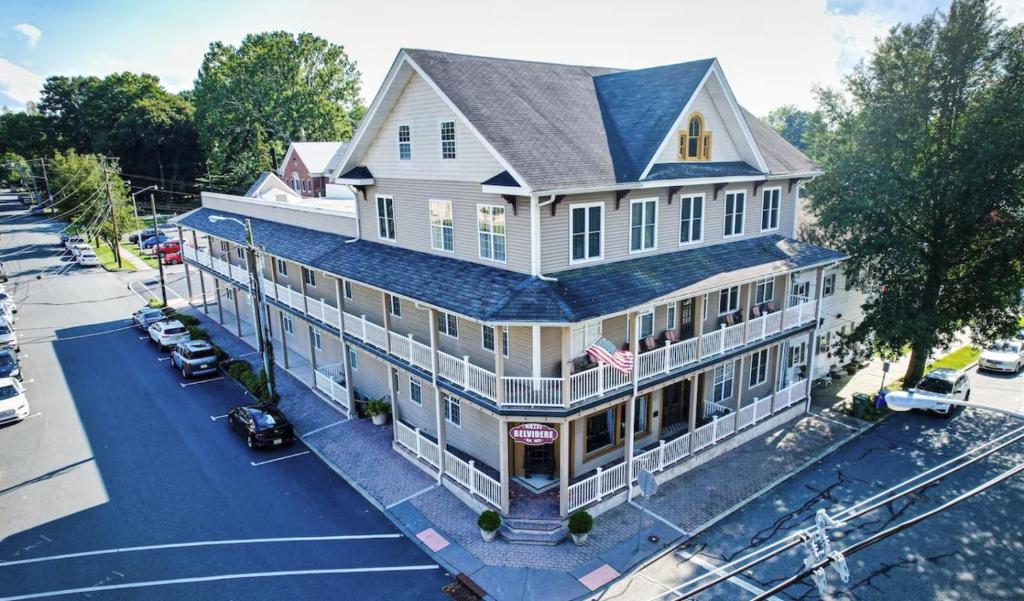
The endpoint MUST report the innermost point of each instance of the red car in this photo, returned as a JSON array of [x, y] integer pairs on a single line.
[[171, 246], [173, 258]]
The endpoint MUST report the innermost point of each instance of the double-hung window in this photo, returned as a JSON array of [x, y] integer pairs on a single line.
[[487, 339], [447, 139], [452, 410], [735, 205], [723, 382], [600, 432], [448, 324], [758, 368], [415, 391], [309, 277], [691, 219], [828, 285], [318, 342], [240, 252], [643, 216], [770, 209], [404, 143], [646, 324], [288, 325], [798, 354], [582, 335], [586, 228], [728, 300], [764, 291], [353, 359], [347, 290], [670, 316], [491, 229], [442, 228], [282, 267], [224, 246], [395, 306], [386, 217]]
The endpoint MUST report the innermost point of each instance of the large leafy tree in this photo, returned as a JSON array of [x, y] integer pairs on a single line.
[[252, 100], [27, 134], [924, 180], [798, 127]]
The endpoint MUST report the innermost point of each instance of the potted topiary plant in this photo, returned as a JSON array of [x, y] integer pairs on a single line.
[[489, 522], [580, 524], [378, 410]]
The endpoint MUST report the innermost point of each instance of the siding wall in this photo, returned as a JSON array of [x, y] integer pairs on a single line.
[[555, 230], [412, 219], [371, 379], [423, 110]]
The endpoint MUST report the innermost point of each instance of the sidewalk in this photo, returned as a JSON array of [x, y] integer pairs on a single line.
[[129, 256], [362, 454]]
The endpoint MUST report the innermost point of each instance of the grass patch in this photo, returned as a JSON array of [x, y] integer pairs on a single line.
[[147, 259], [109, 262], [958, 359]]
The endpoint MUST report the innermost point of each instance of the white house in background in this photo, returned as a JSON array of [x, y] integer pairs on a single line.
[[511, 214]]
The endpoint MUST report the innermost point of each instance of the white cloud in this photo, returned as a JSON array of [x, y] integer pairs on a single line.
[[31, 32], [17, 83]]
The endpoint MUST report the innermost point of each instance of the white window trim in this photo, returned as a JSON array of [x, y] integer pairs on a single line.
[[584, 327], [729, 311], [452, 399], [504, 333], [762, 380], [629, 237], [282, 266], [392, 299], [311, 280], [765, 282], [504, 236], [240, 252], [353, 359], [639, 321], [440, 139], [827, 290], [346, 290], [318, 343], [446, 328], [289, 325], [703, 216], [224, 246], [673, 309], [430, 216], [376, 216], [704, 307], [398, 143], [414, 380], [586, 206], [727, 367], [778, 213], [743, 221]]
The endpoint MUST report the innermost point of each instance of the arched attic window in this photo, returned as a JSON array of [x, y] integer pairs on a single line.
[[695, 141]]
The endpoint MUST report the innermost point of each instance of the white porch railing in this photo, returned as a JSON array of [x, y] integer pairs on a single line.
[[712, 408], [467, 475], [528, 392], [608, 481], [418, 444], [596, 382], [321, 310], [328, 379]]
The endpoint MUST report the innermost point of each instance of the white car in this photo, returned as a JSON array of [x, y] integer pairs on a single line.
[[147, 316], [7, 315], [933, 392], [13, 404], [87, 258], [8, 301], [79, 248], [168, 333], [1003, 355], [8, 337]]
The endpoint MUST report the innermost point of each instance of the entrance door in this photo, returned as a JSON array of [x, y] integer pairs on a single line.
[[686, 329], [675, 410], [539, 460]]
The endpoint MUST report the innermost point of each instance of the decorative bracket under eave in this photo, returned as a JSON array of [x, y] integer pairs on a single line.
[[672, 192], [511, 199], [792, 182], [619, 195], [362, 190], [719, 188], [555, 201], [758, 186]]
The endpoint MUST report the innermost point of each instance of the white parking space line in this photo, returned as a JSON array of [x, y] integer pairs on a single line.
[[163, 358], [186, 385], [740, 582], [131, 585], [322, 428], [837, 422], [143, 337], [257, 463], [214, 418], [412, 496], [203, 543], [34, 415]]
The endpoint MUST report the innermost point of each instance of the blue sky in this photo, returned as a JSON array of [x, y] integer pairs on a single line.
[[773, 51]]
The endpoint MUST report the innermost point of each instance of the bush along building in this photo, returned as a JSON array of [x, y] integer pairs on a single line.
[[513, 222]]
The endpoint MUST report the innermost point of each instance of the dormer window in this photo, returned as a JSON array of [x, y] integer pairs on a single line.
[[695, 142]]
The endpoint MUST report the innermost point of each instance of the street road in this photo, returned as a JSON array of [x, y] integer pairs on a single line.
[[972, 551], [124, 484]]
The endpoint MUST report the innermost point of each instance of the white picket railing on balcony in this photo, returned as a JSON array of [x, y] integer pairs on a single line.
[[596, 382], [533, 392], [598, 486], [322, 311], [329, 380], [418, 444], [712, 408]]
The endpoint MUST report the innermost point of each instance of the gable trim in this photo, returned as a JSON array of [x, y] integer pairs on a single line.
[[287, 157], [733, 105]]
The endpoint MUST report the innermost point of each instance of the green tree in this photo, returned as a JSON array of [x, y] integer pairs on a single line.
[[924, 180], [12, 168], [274, 88], [798, 127], [27, 135]]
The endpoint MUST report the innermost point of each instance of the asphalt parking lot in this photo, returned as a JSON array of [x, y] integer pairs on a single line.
[[125, 482]]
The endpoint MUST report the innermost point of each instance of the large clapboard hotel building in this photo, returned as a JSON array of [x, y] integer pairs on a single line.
[[547, 269]]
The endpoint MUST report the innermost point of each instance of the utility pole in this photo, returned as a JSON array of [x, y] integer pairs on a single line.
[[159, 259], [46, 180], [255, 286], [116, 245]]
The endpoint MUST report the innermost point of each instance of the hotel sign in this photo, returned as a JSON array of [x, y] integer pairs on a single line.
[[533, 434]]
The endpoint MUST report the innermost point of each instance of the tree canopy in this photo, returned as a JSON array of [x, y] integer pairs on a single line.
[[923, 183], [275, 88], [798, 127]]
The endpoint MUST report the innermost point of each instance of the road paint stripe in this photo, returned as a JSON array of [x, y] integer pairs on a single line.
[[214, 418], [34, 415], [250, 575], [204, 543], [740, 582], [412, 496], [143, 337], [255, 463], [321, 428], [163, 358], [186, 385]]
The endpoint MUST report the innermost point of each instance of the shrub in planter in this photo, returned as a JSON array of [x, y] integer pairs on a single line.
[[852, 368], [197, 333], [378, 410], [155, 303], [580, 524], [488, 522], [186, 320], [221, 354]]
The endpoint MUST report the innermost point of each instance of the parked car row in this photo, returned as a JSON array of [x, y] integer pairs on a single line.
[[14, 405], [81, 251], [261, 425]]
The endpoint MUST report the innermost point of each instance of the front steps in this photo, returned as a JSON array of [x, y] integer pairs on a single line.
[[533, 531]]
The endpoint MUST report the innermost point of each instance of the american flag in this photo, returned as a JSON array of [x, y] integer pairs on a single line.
[[603, 351]]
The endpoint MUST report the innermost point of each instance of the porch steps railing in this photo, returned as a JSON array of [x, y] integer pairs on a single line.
[[611, 480]]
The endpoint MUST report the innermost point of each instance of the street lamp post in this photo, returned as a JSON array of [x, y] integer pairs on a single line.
[[252, 260], [135, 207]]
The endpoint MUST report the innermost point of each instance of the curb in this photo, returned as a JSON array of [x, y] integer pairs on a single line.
[[740, 505]]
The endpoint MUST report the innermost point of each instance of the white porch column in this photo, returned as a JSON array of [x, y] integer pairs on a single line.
[[312, 351], [535, 351], [220, 307], [346, 369], [566, 367], [499, 364], [202, 280], [698, 321], [744, 380], [284, 340], [503, 469], [694, 386], [386, 319], [634, 346], [813, 345], [188, 273], [746, 310], [563, 467], [238, 314], [439, 408]]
